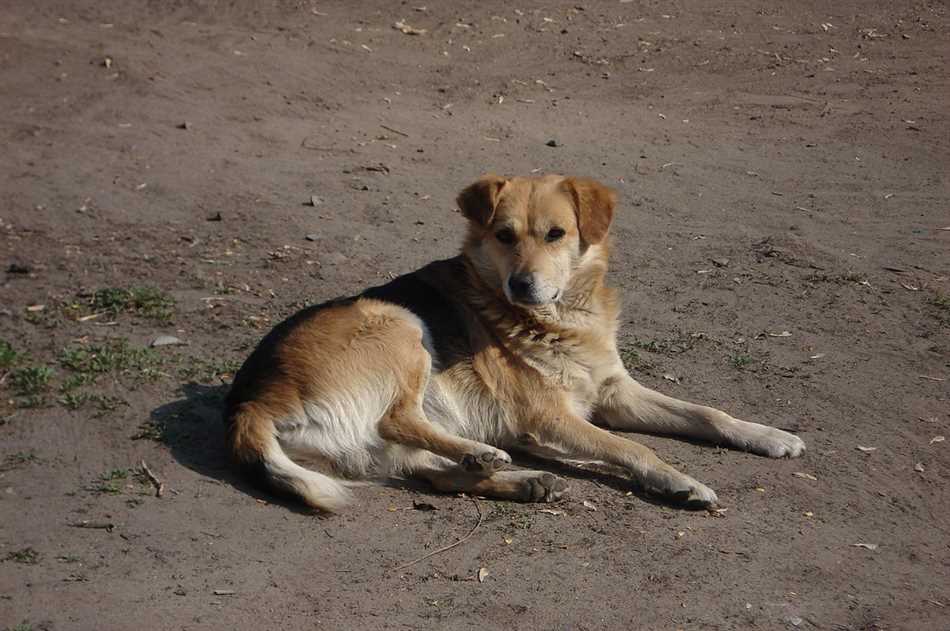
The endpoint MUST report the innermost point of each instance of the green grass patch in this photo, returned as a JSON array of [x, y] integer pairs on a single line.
[[73, 400], [87, 362], [205, 371], [151, 430], [110, 482], [741, 361], [31, 380], [147, 302], [32, 401], [27, 556], [78, 380], [7, 355]]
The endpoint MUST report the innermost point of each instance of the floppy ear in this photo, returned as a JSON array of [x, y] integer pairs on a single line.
[[594, 206], [477, 202]]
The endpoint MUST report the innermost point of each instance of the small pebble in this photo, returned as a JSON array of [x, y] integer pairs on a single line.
[[165, 340]]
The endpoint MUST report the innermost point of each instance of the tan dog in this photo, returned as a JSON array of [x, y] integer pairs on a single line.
[[510, 345]]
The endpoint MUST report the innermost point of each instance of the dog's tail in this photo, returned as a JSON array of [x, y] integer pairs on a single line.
[[254, 445]]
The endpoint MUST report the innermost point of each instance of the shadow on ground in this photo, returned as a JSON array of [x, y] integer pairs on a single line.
[[192, 427]]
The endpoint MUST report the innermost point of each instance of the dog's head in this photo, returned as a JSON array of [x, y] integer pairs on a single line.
[[528, 237]]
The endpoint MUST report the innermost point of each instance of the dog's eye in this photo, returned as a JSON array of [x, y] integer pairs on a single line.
[[554, 234], [506, 236]]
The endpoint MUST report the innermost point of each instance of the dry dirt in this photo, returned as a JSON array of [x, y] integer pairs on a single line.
[[783, 167]]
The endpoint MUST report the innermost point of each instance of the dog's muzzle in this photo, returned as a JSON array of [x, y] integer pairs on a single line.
[[525, 289]]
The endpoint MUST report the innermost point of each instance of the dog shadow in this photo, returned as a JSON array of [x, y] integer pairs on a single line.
[[192, 428]]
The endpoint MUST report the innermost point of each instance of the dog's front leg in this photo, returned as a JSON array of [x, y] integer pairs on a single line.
[[573, 437], [625, 404]]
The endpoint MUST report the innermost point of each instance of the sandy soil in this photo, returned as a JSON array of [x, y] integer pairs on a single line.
[[783, 167]]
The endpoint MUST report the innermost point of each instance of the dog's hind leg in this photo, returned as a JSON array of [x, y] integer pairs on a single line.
[[523, 486], [405, 423]]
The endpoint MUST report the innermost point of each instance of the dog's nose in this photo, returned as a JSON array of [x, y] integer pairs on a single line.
[[521, 285]]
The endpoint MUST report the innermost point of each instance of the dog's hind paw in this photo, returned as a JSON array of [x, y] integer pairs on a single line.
[[544, 487], [485, 460]]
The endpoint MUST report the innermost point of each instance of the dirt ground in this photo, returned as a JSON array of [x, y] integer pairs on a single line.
[[201, 170]]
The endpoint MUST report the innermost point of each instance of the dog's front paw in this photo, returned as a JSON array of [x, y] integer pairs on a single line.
[[680, 489], [486, 459], [768, 441]]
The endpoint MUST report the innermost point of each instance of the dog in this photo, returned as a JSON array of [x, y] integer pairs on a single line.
[[511, 345]]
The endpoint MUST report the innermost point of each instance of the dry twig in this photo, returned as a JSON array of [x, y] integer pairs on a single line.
[[451, 545], [395, 131], [158, 484], [97, 525]]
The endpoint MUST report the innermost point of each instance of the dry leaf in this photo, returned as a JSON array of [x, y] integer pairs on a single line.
[[807, 476], [866, 546], [482, 573], [919, 467], [589, 505], [508, 540], [808, 513]]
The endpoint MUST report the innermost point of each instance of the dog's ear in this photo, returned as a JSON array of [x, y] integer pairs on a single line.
[[594, 206], [478, 201]]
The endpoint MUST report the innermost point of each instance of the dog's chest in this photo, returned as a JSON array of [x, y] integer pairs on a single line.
[[558, 364]]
